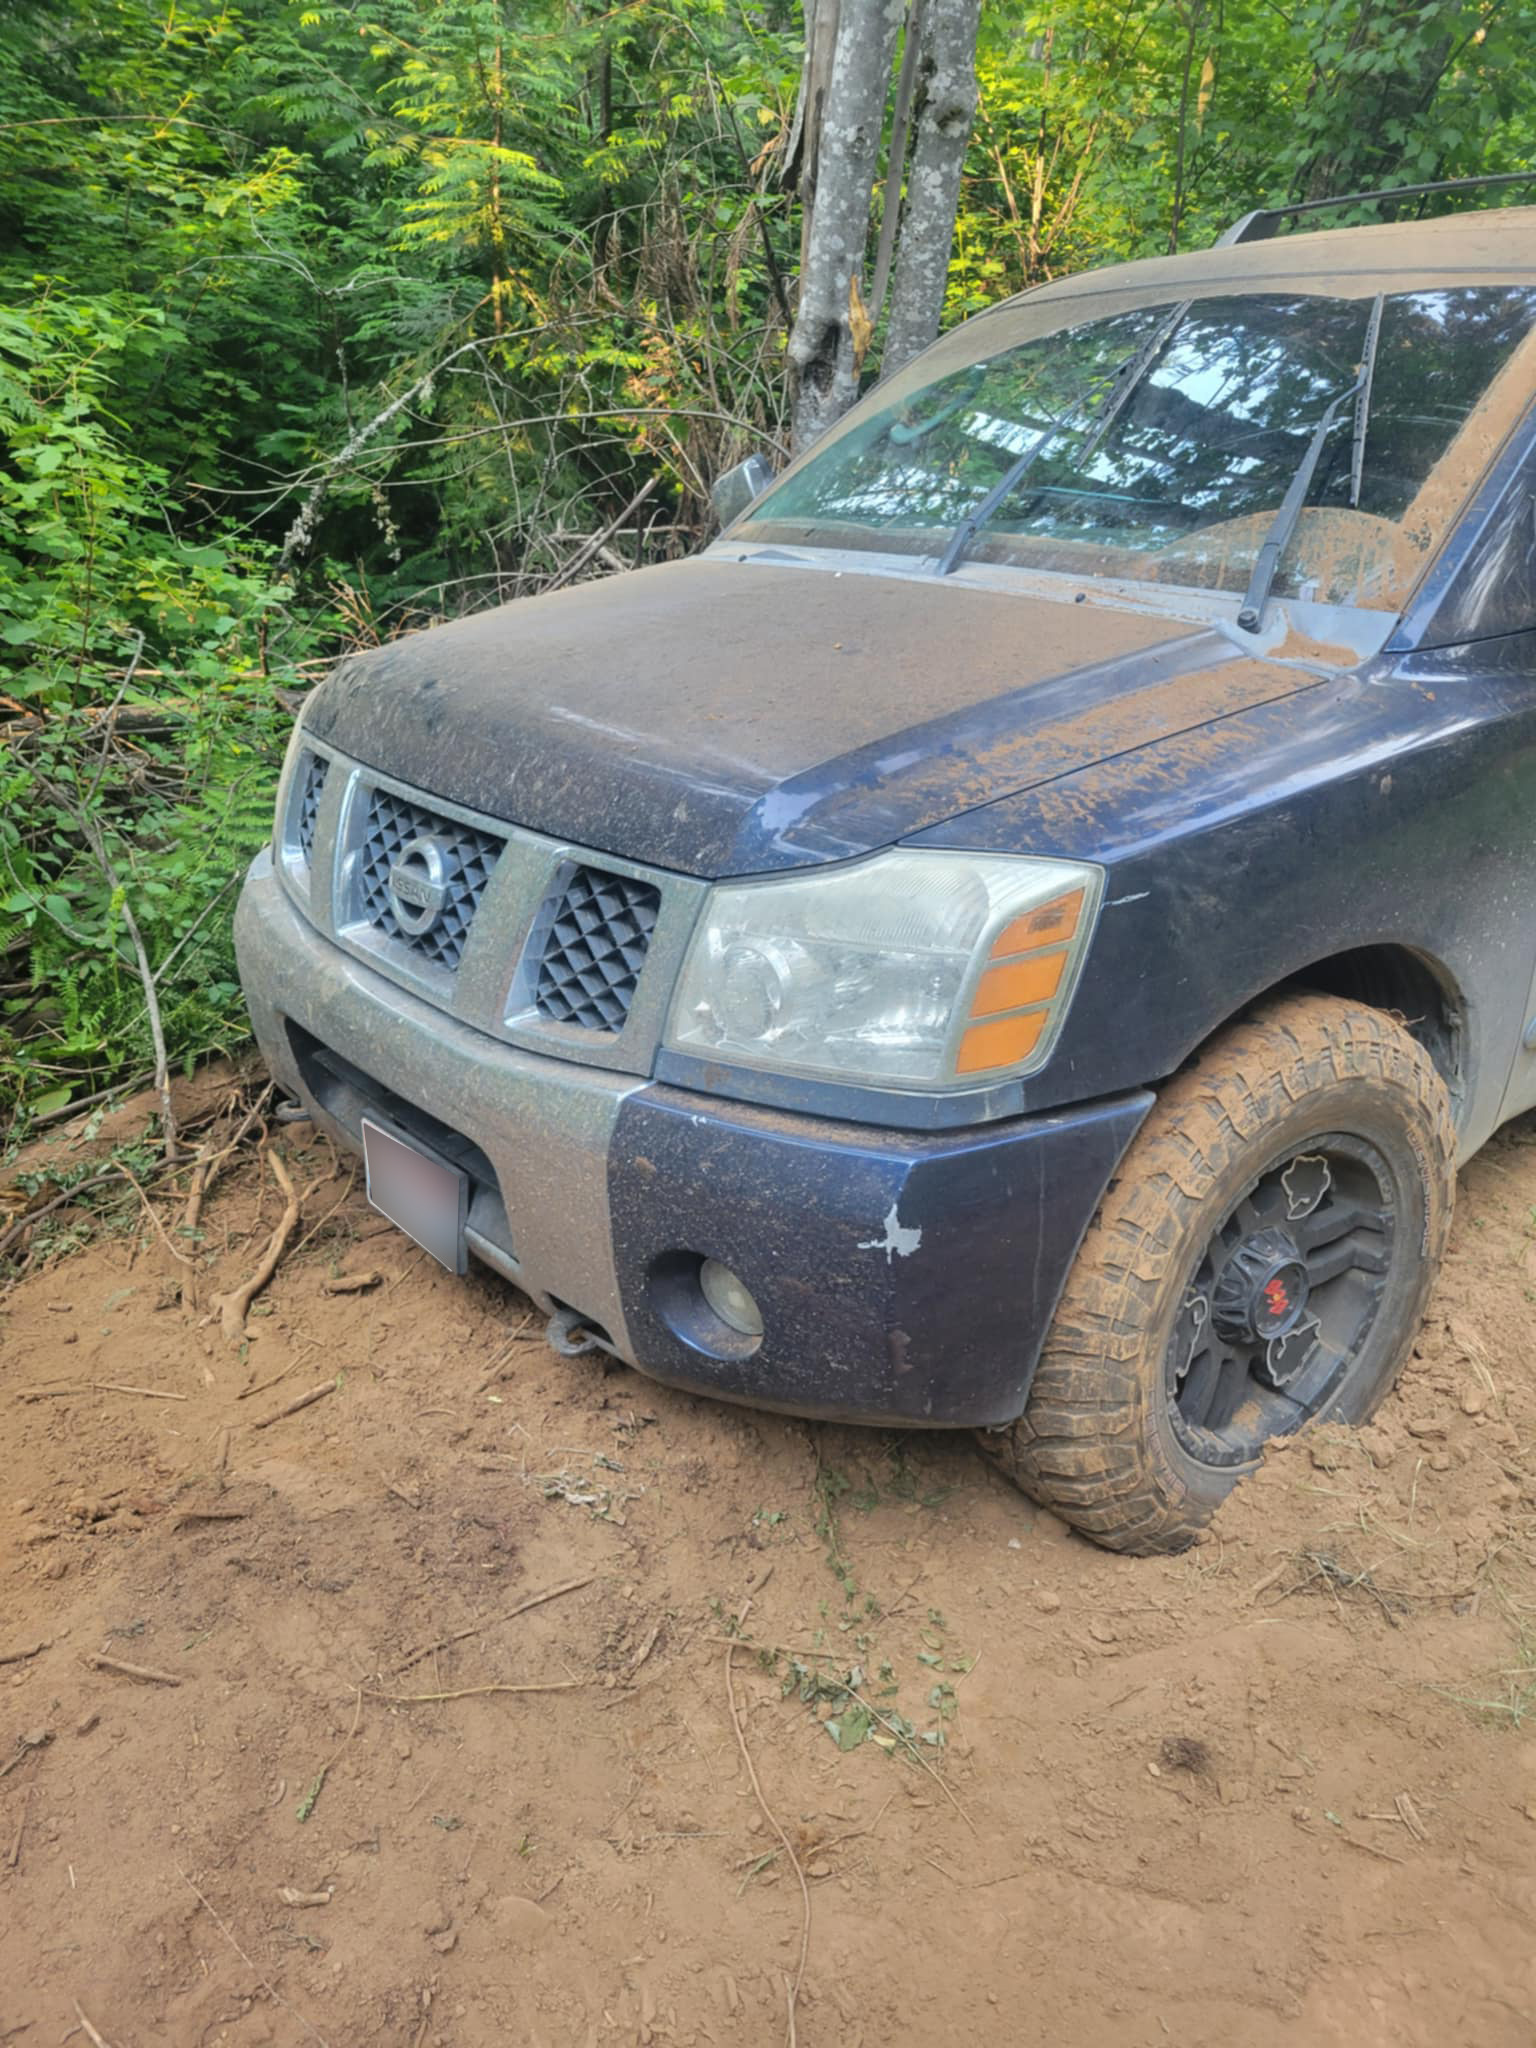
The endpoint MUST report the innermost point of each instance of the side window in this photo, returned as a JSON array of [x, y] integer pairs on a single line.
[[1494, 591]]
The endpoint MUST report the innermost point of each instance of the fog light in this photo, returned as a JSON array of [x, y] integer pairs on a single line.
[[730, 1299]]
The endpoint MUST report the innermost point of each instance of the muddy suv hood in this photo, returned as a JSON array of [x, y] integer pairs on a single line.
[[723, 717]]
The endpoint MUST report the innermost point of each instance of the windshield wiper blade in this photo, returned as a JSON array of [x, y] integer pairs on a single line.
[[1363, 402], [1011, 477], [1127, 375], [1283, 525]]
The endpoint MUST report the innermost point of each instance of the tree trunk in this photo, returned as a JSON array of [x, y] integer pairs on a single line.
[[946, 73], [831, 331], [801, 156]]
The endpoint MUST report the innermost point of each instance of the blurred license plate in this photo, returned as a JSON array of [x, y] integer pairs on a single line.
[[421, 1194]]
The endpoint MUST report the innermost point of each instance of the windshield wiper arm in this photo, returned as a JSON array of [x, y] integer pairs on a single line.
[[1363, 402], [1283, 525], [1126, 374], [1011, 477]]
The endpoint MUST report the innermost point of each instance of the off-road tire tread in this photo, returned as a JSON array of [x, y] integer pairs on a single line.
[[1081, 1448]]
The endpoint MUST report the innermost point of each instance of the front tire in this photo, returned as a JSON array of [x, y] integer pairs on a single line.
[[1261, 1261]]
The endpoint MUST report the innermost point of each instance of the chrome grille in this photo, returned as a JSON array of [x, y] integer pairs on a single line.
[[311, 789], [595, 948], [468, 858]]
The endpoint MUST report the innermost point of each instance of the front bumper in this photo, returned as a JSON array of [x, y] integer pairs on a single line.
[[901, 1277]]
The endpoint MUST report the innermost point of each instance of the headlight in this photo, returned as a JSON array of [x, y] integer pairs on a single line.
[[913, 970]]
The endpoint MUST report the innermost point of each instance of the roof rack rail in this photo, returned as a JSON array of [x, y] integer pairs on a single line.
[[1264, 221]]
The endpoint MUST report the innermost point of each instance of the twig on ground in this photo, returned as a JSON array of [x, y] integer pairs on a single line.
[[144, 1671], [26, 1745], [14, 1857], [298, 1358], [351, 1283], [191, 1515], [507, 1614], [96, 1387], [21, 1656], [154, 1216], [97, 2040], [232, 1307], [306, 1805], [504, 1356], [426, 1786], [340, 1203], [909, 1747], [907, 1744], [792, 1988], [303, 1401], [61, 1201], [471, 1692], [265, 1982], [1370, 1848], [853, 1834], [1408, 1814]]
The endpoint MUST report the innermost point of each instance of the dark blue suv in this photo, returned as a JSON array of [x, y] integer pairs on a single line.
[[1017, 934]]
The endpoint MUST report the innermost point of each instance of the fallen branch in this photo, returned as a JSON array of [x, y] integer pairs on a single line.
[[21, 1656], [154, 1216], [472, 1692], [793, 1988], [14, 1856], [303, 1401], [190, 1515], [144, 1671], [594, 546], [97, 1387], [351, 1283], [92, 834], [97, 2040], [298, 1359], [61, 1201], [265, 1982], [25, 1747], [233, 1306], [306, 1805], [509, 1614]]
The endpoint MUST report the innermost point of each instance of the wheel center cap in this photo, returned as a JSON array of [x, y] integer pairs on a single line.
[[1262, 1292]]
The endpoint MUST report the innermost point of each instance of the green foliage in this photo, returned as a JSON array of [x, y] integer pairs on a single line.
[[468, 277]]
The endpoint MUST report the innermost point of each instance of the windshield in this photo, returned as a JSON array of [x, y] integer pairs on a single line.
[[1182, 484]]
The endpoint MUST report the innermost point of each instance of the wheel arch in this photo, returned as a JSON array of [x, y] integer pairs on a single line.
[[1410, 985]]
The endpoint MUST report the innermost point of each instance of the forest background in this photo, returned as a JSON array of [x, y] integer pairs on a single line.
[[320, 322]]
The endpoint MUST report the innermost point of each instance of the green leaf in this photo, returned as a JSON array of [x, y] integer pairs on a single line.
[[851, 1727]]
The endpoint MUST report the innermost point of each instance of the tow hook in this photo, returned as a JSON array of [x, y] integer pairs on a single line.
[[570, 1334]]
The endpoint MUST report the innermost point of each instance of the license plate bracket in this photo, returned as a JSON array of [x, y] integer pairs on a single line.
[[420, 1192]]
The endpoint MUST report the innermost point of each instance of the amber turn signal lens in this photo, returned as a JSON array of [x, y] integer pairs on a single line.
[[1001, 1043], [1018, 983], [1012, 1002], [1051, 925]]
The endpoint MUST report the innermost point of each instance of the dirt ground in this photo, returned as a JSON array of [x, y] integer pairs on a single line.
[[1276, 1790]]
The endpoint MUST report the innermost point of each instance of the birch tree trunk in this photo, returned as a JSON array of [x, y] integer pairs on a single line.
[[946, 78], [831, 330]]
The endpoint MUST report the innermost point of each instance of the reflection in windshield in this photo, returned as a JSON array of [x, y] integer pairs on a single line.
[[1183, 484]]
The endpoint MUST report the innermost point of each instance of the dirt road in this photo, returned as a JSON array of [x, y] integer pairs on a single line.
[[1037, 1794]]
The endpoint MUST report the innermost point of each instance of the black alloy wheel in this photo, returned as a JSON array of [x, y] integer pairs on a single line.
[[1284, 1296]]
